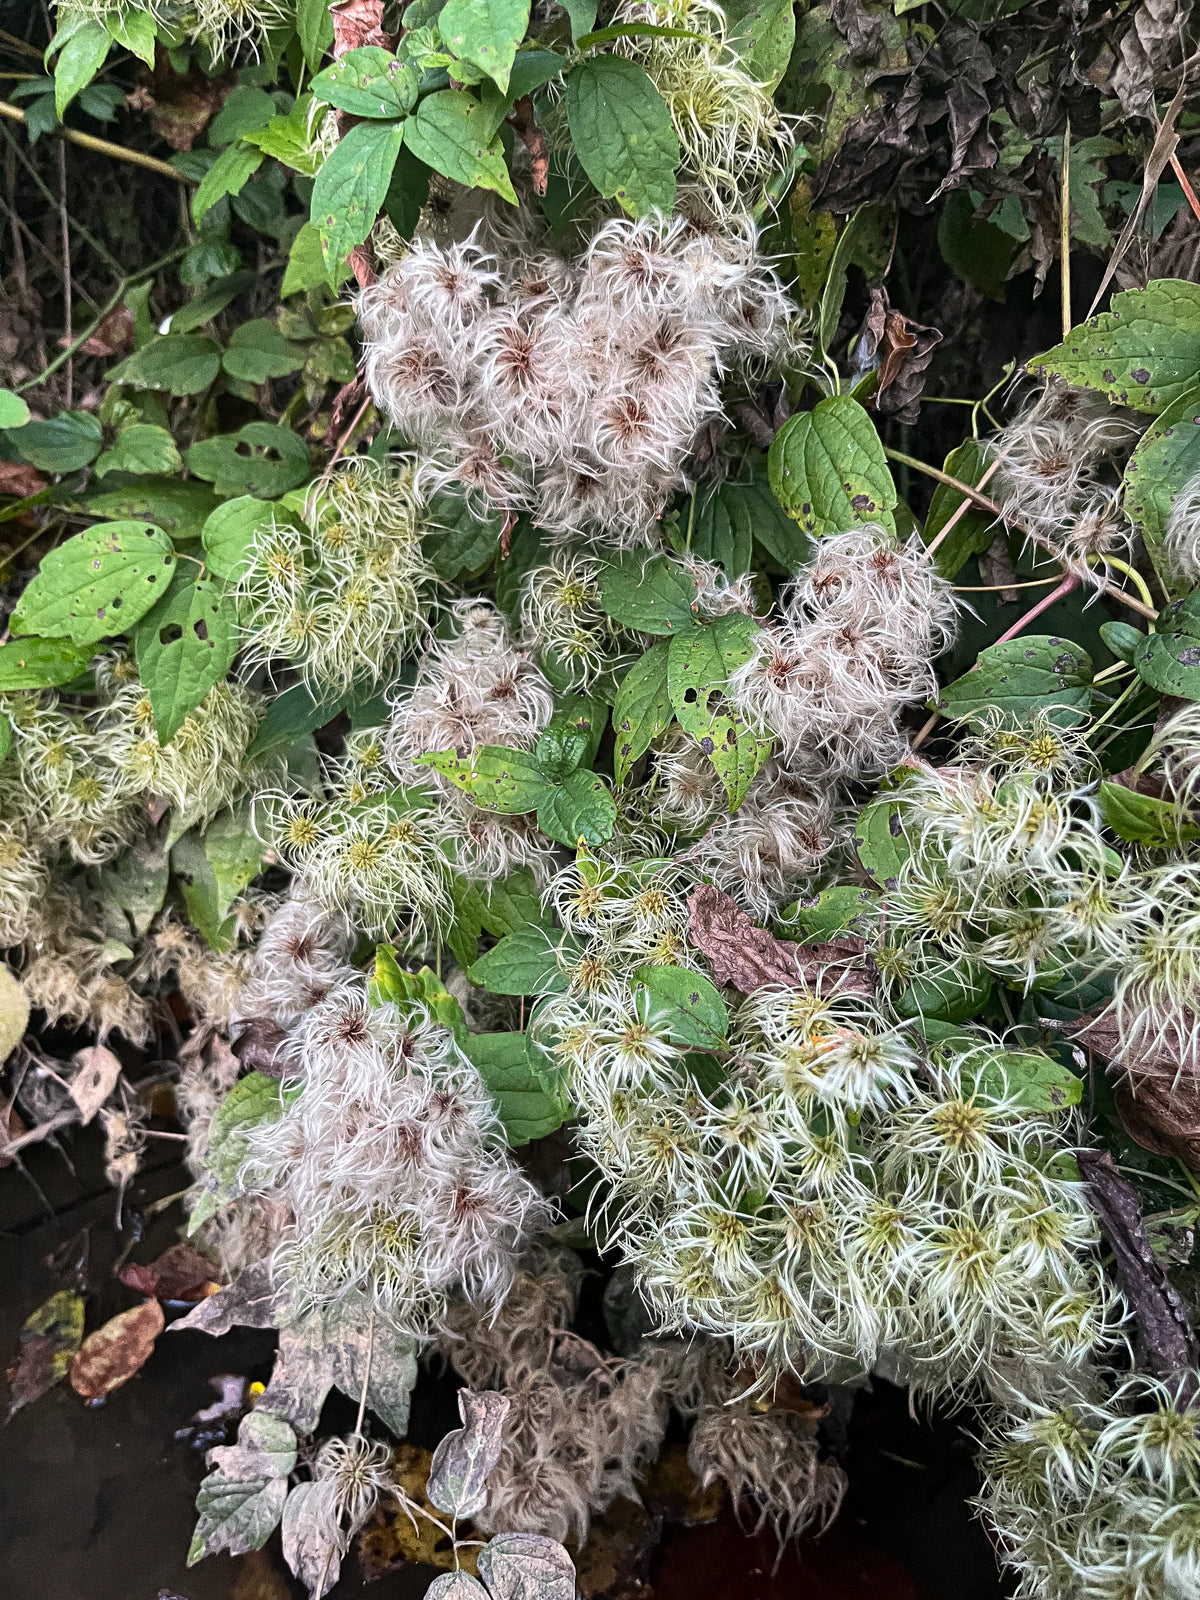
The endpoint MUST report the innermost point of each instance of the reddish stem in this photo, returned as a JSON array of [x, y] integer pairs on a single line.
[[1069, 583]]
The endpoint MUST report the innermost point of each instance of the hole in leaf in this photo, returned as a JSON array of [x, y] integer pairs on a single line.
[[170, 633], [201, 629]]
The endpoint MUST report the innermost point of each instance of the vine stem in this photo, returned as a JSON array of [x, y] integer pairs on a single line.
[[1069, 583], [362, 1399], [105, 147], [960, 511]]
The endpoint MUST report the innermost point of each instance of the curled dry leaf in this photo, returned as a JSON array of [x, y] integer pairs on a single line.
[[257, 1046], [112, 336], [111, 1355], [904, 350], [180, 1273], [465, 1457], [357, 23], [747, 956], [50, 1336], [96, 1075], [1162, 1116], [1170, 1347], [19, 479]]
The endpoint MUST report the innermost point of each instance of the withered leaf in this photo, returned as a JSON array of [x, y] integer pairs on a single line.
[[312, 1542], [19, 479], [180, 105], [904, 350], [250, 1301], [526, 1566], [1169, 1345], [357, 23], [50, 1336], [111, 337], [747, 956], [257, 1046], [462, 1461], [1150, 43], [97, 1071], [180, 1273], [114, 1353]]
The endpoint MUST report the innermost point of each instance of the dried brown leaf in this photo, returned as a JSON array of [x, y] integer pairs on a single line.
[[257, 1046], [1168, 1342], [179, 105], [50, 1337], [904, 349], [357, 23], [250, 1301], [1151, 42], [747, 956], [95, 1079], [20, 480], [115, 1352], [111, 337], [180, 1273]]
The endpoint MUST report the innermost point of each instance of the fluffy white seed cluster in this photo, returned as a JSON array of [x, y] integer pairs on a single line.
[[390, 1160], [339, 590], [1099, 1495], [819, 1193], [860, 628], [572, 389]]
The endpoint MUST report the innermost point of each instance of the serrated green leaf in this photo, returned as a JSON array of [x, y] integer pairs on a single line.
[[642, 709], [261, 458], [79, 60], [244, 110], [1143, 352], [652, 595], [98, 584], [622, 133], [579, 809], [698, 667], [524, 962], [524, 1107], [179, 363], [253, 1101], [1038, 672], [290, 139], [40, 663], [682, 1005], [229, 174], [762, 33], [209, 303], [258, 351], [236, 1514], [142, 447], [351, 186], [185, 645], [496, 777], [828, 469], [486, 33], [368, 82], [1166, 458], [448, 134]]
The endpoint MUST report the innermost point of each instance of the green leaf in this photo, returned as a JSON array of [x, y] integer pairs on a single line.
[[448, 134], [1166, 458], [97, 584], [261, 458], [63, 444], [306, 267], [368, 82], [486, 33], [972, 534], [698, 667], [184, 646], [1143, 352], [524, 1107], [834, 292], [958, 995], [580, 809], [762, 33], [828, 469], [881, 842], [290, 715], [351, 186], [642, 709], [500, 908], [136, 31], [203, 307], [229, 174], [245, 109], [14, 413], [314, 26], [1169, 659], [835, 909], [583, 17], [496, 777], [1035, 1080], [239, 1514], [682, 1005], [137, 881], [40, 663], [179, 363], [623, 134], [218, 865], [289, 140], [723, 528], [1037, 672], [258, 351], [652, 595], [79, 60], [253, 1100], [1123, 639], [525, 962], [228, 532], [141, 447], [456, 542], [1141, 819], [177, 508]]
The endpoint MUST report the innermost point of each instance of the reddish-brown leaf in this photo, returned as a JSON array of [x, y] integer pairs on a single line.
[[19, 478], [180, 1273], [356, 23], [115, 1352], [747, 956], [49, 1339], [180, 105], [111, 337]]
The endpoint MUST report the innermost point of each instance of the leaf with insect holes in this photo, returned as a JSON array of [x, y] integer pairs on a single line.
[[651, 595], [184, 646], [462, 1461], [682, 1005], [1037, 672], [98, 584], [828, 469], [699, 664], [642, 709], [176, 363], [1144, 351], [880, 840], [351, 186], [368, 82], [496, 777]]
